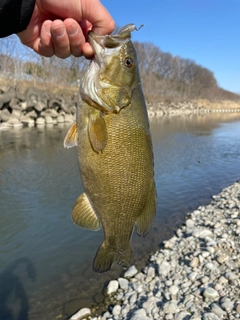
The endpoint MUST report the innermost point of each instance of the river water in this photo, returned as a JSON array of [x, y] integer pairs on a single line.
[[45, 260]]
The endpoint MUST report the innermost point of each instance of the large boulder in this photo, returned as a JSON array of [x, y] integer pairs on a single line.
[[6, 97], [5, 115]]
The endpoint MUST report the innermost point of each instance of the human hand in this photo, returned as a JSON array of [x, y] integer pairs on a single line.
[[61, 27]]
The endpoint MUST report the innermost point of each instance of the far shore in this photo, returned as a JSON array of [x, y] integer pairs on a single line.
[[192, 107], [40, 107]]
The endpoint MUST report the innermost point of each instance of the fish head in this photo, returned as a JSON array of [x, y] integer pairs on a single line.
[[116, 56], [113, 73]]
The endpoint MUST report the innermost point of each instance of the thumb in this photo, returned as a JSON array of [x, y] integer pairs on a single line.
[[98, 16]]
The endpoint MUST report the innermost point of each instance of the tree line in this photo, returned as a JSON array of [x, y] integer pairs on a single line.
[[164, 76]]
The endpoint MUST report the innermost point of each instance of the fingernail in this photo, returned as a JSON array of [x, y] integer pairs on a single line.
[[59, 31], [71, 30]]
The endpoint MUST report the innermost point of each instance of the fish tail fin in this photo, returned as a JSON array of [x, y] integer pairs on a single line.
[[107, 255]]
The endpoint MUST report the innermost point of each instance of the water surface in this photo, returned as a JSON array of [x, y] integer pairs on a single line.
[[45, 260]]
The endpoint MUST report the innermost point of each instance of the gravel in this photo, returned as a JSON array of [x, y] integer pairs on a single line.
[[194, 276]]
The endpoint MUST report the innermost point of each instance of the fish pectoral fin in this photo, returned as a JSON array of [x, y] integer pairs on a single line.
[[97, 131], [71, 137], [117, 98], [107, 255], [83, 214], [145, 220]]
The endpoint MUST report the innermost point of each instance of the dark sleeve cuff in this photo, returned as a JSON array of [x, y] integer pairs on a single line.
[[15, 16]]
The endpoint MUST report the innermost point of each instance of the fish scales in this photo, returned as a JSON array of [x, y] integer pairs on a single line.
[[115, 159]]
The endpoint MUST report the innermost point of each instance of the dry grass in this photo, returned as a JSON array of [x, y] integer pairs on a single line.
[[64, 90]]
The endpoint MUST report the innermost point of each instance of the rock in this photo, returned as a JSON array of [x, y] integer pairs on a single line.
[[202, 233], [133, 299], [69, 118], [230, 275], [140, 315], [171, 307], [192, 276], [84, 312], [210, 316], [222, 258], [151, 272], [184, 315], [194, 263], [60, 119], [238, 308], [131, 272], [52, 113], [14, 104], [217, 310], [138, 287], [150, 304], [40, 121], [31, 114], [228, 306], [29, 121], [123, 283], [112, 287], [210, 266], [39, 106], [7, 96], [5, 115], [16, 113], [190, 224], [173, 289], [23, 105], [73, 110], [116, 310], [210, 294], [14, 122], [49, 120], [164, 268], [5, 126]]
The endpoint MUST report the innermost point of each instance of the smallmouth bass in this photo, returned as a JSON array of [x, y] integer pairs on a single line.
[[114, 149]]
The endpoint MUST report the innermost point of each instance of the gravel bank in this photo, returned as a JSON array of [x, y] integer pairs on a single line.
[[194, 276]]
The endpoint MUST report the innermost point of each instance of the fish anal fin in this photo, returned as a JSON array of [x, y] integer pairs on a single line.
[[107, 255], [145, 220], [83, 214], [97, 131], [71, 137]]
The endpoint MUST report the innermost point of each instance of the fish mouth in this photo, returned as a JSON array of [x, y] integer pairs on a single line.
[[103, 47], [100, 43], [97, 43]]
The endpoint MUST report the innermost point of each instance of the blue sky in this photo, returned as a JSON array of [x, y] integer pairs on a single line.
[[206, 31]]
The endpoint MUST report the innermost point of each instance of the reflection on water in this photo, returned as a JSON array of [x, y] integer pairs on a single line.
[[195, 157], [13, 299]]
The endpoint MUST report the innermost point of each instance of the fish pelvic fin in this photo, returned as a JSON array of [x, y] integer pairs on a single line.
[[83, 214], [97, 131], [107, 255], [71, 137], [145, 220]]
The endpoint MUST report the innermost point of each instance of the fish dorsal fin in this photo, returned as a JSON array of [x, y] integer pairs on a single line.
[[145, 220], [83, 214], [97, 132], [71, 137], [119, 97]]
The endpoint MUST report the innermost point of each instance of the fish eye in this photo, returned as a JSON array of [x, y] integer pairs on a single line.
[[128, 62]]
